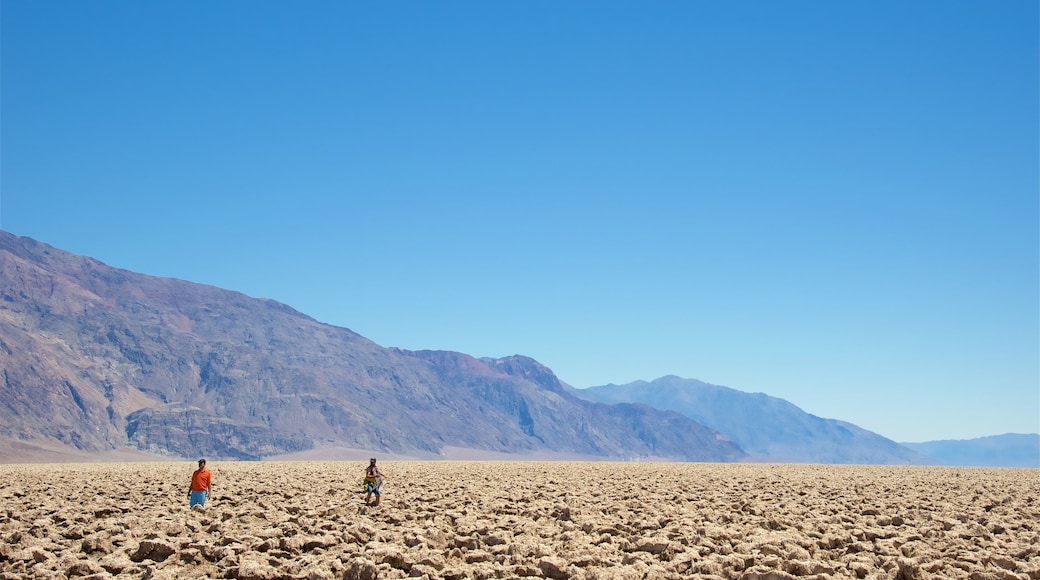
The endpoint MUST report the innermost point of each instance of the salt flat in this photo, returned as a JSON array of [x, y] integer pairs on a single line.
[[501, 519]]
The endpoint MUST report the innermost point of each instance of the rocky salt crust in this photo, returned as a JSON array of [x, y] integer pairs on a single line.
[[306, 520]]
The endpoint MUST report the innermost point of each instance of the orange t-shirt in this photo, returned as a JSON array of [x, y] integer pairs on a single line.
[[200, 480]]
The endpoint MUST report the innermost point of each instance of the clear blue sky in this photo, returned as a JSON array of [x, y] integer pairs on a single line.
[[835, 203]]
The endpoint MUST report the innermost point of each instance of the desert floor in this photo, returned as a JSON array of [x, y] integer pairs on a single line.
[[520, 519]]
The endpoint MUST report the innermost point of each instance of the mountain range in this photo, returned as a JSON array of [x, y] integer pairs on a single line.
[[1007, 450], [768, 428], [98, 360]]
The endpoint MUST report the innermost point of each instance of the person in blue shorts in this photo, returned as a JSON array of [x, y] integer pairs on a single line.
[[201, 481], [373, 481]]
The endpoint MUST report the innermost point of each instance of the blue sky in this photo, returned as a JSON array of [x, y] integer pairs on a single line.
[[835, 203]]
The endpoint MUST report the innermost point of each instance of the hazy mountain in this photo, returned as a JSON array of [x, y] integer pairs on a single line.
[[97, 358], [1008, 450], [768, 428]]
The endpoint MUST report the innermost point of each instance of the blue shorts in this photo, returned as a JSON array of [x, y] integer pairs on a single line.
[[371, 487], [197, 498]]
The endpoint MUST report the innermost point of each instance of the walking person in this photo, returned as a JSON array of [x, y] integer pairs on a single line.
[[373, 481], [201, 482]]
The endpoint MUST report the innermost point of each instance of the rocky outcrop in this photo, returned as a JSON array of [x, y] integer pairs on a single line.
[[184, 431]]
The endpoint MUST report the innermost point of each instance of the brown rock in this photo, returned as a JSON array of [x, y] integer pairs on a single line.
[[361, 569], [39, 555], [251, 569], [764, 573], [96, 544], [116, 563], [653, 545], [84, 568], [552, 567], [153, 550]]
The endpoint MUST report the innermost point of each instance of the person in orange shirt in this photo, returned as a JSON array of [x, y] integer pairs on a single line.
[[200, 485]]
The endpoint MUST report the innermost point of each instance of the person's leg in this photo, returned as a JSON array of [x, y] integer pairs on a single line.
[[198, 498]]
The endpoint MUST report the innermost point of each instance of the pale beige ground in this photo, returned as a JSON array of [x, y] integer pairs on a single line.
[[17, 451], [517, 519]]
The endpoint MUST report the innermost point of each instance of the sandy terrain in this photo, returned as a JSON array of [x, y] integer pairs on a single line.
[[514, 519], [15, 451]]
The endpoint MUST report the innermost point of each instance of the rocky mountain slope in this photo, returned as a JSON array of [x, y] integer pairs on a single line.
[[768, 428], [97, 358]]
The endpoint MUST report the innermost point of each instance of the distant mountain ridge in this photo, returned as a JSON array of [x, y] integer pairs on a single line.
[[768, 428], [1007, 450], [96, 359]]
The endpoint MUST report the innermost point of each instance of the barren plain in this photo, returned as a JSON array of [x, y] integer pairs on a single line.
[[501, 519]]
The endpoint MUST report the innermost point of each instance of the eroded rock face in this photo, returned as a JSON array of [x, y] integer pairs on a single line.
[[183, 430], [307, 520]]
